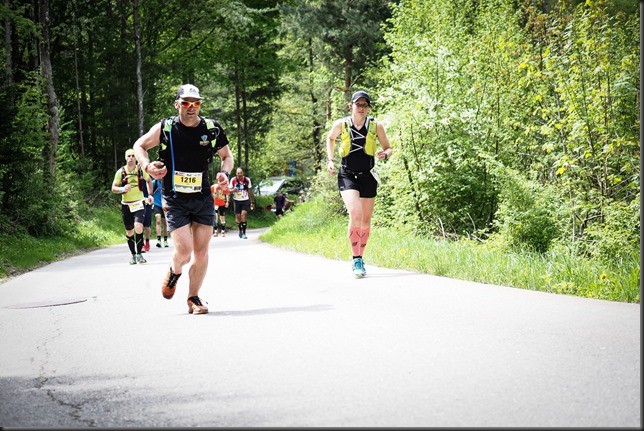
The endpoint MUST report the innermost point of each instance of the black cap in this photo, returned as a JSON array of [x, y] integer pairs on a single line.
[[188, 90], [358, 94]]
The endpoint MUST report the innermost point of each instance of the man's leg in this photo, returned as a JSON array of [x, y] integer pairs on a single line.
[[200, 241], [243, 223], [157, 226], [138, 235], [182, 239]]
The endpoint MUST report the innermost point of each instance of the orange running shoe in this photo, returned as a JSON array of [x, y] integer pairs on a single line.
[[195, 306], [169, 284]]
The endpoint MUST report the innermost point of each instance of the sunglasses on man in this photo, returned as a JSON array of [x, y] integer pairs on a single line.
[[186, 104]]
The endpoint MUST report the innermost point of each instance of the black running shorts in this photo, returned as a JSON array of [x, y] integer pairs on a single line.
[[221, 210], [242, 206], [147, 219], [129, 217], [363, 182], [159, 210], [185, 210]]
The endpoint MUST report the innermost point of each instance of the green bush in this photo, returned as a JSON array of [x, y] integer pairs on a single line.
[[526, 216], [617, 238]]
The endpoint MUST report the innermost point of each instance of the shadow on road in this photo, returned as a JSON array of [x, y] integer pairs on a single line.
[[275, 310]]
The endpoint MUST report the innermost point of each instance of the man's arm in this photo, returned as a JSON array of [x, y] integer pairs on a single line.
[[116, 185], [227, 159], [250, 192], [141, 147], [150, 189], [227, 163]]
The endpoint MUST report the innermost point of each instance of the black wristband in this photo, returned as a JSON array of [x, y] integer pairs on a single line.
[[227, 173]]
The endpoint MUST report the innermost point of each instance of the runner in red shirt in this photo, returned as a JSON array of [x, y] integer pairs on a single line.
[[221, 204]]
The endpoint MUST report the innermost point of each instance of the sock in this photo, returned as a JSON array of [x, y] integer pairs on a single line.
[[223, 227], [244, 224], [158, 238], [139, 242], [364, 237], [130, 243], [354, 240]]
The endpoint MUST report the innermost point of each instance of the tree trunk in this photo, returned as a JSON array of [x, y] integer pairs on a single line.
[[348, 64], [8, 65], [52, 101], [139, 77], [328, 113], [81, 132], [315, 133], [245, 130], [238, 120]]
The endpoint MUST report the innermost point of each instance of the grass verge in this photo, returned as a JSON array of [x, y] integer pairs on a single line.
[[311, 230], [97, 227]]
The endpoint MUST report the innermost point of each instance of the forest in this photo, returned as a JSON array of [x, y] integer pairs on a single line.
[[515, 121]]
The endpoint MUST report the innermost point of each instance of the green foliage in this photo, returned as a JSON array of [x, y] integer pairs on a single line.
[[312, 229], [486, 85], [527, 214], [25, 203], [324, 188], [616, 238]]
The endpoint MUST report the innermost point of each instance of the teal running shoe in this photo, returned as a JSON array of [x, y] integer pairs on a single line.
[[358, 267]]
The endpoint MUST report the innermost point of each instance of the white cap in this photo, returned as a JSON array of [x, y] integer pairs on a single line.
[[188, 90]]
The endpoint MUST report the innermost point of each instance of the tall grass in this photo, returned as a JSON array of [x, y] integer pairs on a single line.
[[311, 229]]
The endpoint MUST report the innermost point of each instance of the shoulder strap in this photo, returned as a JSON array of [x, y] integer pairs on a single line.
[[166, 128], [213, 130]]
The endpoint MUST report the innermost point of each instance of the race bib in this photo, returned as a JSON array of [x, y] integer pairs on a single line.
[[187, 182], [135, 206]]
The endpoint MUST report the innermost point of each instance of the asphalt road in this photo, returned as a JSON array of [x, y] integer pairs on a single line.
[[293, 340]]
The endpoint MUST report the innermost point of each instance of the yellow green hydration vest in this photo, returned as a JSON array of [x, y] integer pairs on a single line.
[[370, 142]]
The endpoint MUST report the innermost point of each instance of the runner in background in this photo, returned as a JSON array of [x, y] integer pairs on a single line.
[[221, 198], [159, 214], [358, 178]]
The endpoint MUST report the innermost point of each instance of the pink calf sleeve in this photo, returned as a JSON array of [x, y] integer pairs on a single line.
[[354, 240], [364, 236]]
